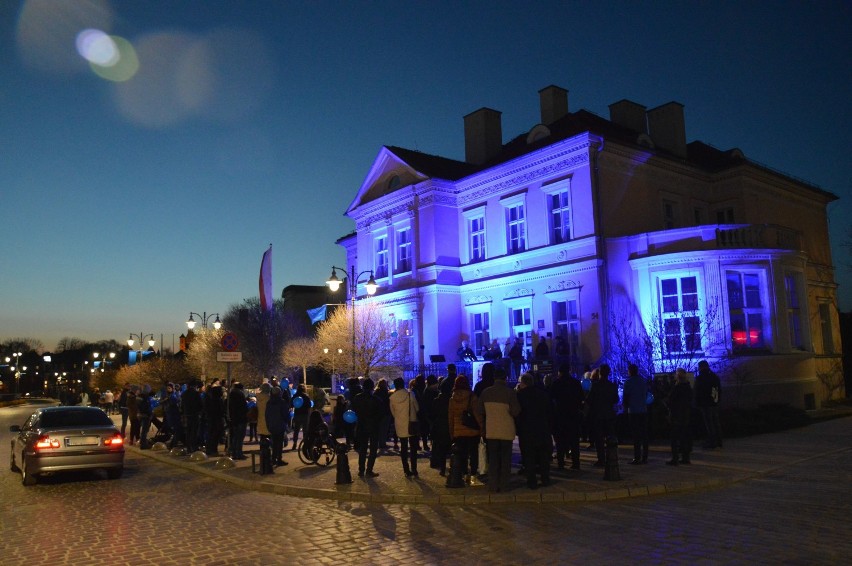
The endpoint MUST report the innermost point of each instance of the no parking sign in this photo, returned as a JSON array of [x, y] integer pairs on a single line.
[[230, 342]]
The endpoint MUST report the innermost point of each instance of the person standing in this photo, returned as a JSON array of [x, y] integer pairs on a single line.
[[214, 409], [404, 407], [277, 413], [499, 405], [143, 408], [133, 415], [567, 395], [635, 402], [465, 438], [369, 412], [441, 440], [708, 393], [237, 419], [602, 400], [680, 409], [171, 415], [122, 407], [190, 406], [535, 424], [301, 412]]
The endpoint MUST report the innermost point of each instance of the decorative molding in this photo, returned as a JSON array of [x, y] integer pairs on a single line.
[[525, 178], [478, 300], [517, 265], [567, 285], [520, 292]]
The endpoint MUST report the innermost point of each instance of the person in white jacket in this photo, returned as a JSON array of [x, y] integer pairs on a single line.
[[403, 406]]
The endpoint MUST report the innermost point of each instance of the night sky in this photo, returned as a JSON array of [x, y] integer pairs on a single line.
[[132, 195]]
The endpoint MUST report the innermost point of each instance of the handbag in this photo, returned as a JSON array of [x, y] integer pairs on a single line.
[[413, 426], [468, 419]]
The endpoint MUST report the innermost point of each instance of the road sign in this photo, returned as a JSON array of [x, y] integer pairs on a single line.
[[230, 342], [229, 356]]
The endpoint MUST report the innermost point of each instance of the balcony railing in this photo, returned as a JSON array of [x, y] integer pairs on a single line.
[[759, 236]]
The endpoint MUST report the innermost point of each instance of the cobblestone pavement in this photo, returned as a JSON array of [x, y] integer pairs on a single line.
[[793, 508]]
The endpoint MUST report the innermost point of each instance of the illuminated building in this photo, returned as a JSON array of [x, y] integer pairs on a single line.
[[614, 233]]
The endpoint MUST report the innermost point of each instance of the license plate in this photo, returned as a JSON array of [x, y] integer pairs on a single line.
[[83, 441]]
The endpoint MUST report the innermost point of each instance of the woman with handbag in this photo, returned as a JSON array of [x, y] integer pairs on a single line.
[[465, 427], [404, 408]]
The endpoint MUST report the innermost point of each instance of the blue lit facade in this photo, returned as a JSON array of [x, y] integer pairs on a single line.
[[583, 227]]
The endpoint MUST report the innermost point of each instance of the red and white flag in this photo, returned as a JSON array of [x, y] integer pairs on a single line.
[[265, 282]]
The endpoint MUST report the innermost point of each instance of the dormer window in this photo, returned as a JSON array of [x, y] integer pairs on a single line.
[[394, 183]]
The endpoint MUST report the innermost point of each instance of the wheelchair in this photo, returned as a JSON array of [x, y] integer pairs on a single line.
[[320, 451]]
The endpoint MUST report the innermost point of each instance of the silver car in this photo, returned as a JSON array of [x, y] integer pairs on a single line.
[[59, 439]]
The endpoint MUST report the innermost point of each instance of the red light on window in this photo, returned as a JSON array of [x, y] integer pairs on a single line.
[[754, 335], [739, 336], [116, 440], [45, 442]]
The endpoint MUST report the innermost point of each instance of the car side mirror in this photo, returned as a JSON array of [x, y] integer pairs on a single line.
[[15, 428]]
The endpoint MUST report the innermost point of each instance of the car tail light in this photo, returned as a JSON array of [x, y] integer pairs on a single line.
[[115, 441], [44, 442]]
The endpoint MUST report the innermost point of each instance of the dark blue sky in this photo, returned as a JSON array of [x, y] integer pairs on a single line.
[[128, 204]]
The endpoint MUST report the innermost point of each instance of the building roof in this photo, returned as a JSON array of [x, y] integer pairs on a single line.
[[699, 154]]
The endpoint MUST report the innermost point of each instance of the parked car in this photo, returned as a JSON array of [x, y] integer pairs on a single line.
[[66, 438]]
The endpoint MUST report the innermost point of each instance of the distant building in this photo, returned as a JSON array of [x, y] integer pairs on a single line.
[[618, 236]]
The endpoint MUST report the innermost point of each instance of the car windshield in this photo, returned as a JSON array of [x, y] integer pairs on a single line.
[[74, 417]]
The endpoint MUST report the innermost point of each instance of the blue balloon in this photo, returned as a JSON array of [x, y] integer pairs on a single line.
[[350, 417], [312, 403], [587, 384], [298, 402], [649, 398]]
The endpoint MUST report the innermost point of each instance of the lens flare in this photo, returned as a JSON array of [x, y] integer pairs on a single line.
[[97, 48]]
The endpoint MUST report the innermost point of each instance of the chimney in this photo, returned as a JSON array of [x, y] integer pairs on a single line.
[[667, 128], [483, 136], [628, 114], [554, 104]]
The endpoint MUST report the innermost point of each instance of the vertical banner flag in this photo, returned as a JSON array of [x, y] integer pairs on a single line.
[[265, 282]]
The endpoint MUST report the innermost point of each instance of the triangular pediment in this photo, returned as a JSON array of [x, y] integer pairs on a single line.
[[388, 173]]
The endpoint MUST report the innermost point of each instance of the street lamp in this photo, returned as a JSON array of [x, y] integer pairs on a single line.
[[217, 324], [17, 356], [339, 351], [334, 284], [141, 337], [104, 359]]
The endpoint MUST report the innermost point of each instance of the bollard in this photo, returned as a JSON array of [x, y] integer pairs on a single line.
[[265, 456], [344, 475], [611, 472], [457, 468]]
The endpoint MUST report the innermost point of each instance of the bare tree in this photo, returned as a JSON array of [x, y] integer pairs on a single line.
[[156, 373], [375, 344], [831, 378], [68, 343], [23, 345], [262, 335], [301, 353]]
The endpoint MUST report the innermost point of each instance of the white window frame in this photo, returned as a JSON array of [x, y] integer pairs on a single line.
[[480, 330], [404, 258], [381, 268], [689, 308], [517, 225], [476, 243], [748, 310], [793, 301], [557, 230], [571, 325]]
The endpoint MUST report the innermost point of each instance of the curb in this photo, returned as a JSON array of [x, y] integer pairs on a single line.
[[343, 493]]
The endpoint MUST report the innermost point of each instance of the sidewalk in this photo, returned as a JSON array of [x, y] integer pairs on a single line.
[[740, 459]]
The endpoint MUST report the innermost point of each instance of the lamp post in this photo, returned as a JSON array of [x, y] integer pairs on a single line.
[[141, 337], [111, 356], [339, 351], [17, 356], [217, 324], [334, 284]]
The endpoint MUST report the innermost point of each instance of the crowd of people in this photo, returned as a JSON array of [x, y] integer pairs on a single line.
[[466, 432]]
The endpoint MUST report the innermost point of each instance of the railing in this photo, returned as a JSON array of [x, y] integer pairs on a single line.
[[759, 236]]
